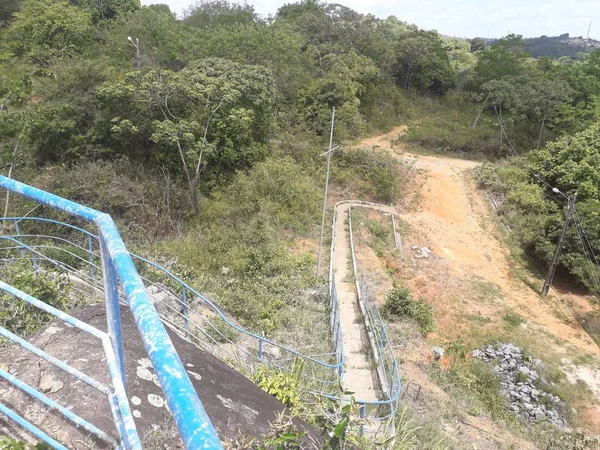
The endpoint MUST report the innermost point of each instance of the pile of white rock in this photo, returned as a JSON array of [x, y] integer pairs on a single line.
[[522, 385]]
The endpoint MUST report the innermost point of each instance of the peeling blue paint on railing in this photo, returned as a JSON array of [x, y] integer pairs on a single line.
[[192, 421], [193, 325], [190, 318]]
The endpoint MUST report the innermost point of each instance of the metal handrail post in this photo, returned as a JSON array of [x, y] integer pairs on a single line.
[[113, 312]]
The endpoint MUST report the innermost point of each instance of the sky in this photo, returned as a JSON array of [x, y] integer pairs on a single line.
[[466, 18]]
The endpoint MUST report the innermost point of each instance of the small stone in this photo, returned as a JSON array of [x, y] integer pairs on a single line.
[[574, 411], [415, 247], [539, 414], [438, 352], [514, 407], [528, 406], [45, 384], [504, 393], [4, 367], [57, 385], [535, 393], [476, 353]]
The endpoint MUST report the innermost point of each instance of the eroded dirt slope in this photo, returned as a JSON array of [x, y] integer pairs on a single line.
[[469, 279]]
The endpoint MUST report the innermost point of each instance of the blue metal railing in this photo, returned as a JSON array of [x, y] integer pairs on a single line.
[[382, 413], [117, 399], [80, 253], [188, 312], [116, 266]]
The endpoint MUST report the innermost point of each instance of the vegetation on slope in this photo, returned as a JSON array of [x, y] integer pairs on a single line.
[[204, 141]]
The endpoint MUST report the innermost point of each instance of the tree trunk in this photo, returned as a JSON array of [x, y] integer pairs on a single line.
[[542, 130], [12, 164], [481, 111], [193, 192], [407, 77]]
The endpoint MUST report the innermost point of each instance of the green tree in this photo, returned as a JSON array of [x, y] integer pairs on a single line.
[[106, 10], [213, 112], [161, 38], [8, 8], [44, 29], [504, 58], [219, 13], [423, 63]]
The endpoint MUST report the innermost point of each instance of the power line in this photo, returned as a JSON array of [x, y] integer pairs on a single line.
[[540, 178], [581, 232]]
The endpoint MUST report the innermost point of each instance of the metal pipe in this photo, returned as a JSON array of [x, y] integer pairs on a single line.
[[54, 361], [31, 428], [326, 188], [78, 421]]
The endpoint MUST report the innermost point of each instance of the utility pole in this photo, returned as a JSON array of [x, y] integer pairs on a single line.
[[552, 268], [589, 28], [326, 187]]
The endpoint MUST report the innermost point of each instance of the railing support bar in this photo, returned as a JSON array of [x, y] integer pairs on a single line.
[[113, 312]]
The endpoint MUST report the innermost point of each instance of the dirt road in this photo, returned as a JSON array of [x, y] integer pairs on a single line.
[[453, 217]]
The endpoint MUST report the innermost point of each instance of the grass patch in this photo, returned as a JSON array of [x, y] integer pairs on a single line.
[[380, 232], [513, 320], [479, 319], [474, 381]]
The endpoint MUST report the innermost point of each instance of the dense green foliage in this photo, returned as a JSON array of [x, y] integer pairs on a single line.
[[400, 304], [209, 128], [537, 214]]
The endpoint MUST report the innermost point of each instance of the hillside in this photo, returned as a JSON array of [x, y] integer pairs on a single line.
[[205, 138], [556, 47]]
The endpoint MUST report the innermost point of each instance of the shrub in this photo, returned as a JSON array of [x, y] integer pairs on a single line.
[[7, 443], [375, 173], [282, 386], [513, 320], [399, 303], [446, 134], [49, 287]]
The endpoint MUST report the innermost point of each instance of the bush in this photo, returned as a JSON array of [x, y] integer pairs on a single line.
[[282, 386], [447, 135], [481, 387], [7, 443], [400, 304], [144, 203], [237, 243], [375, 173], [49, 287]]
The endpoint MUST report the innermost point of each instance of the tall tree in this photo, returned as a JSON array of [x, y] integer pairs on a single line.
[[45, 29], [213, 112], [107, 10]]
